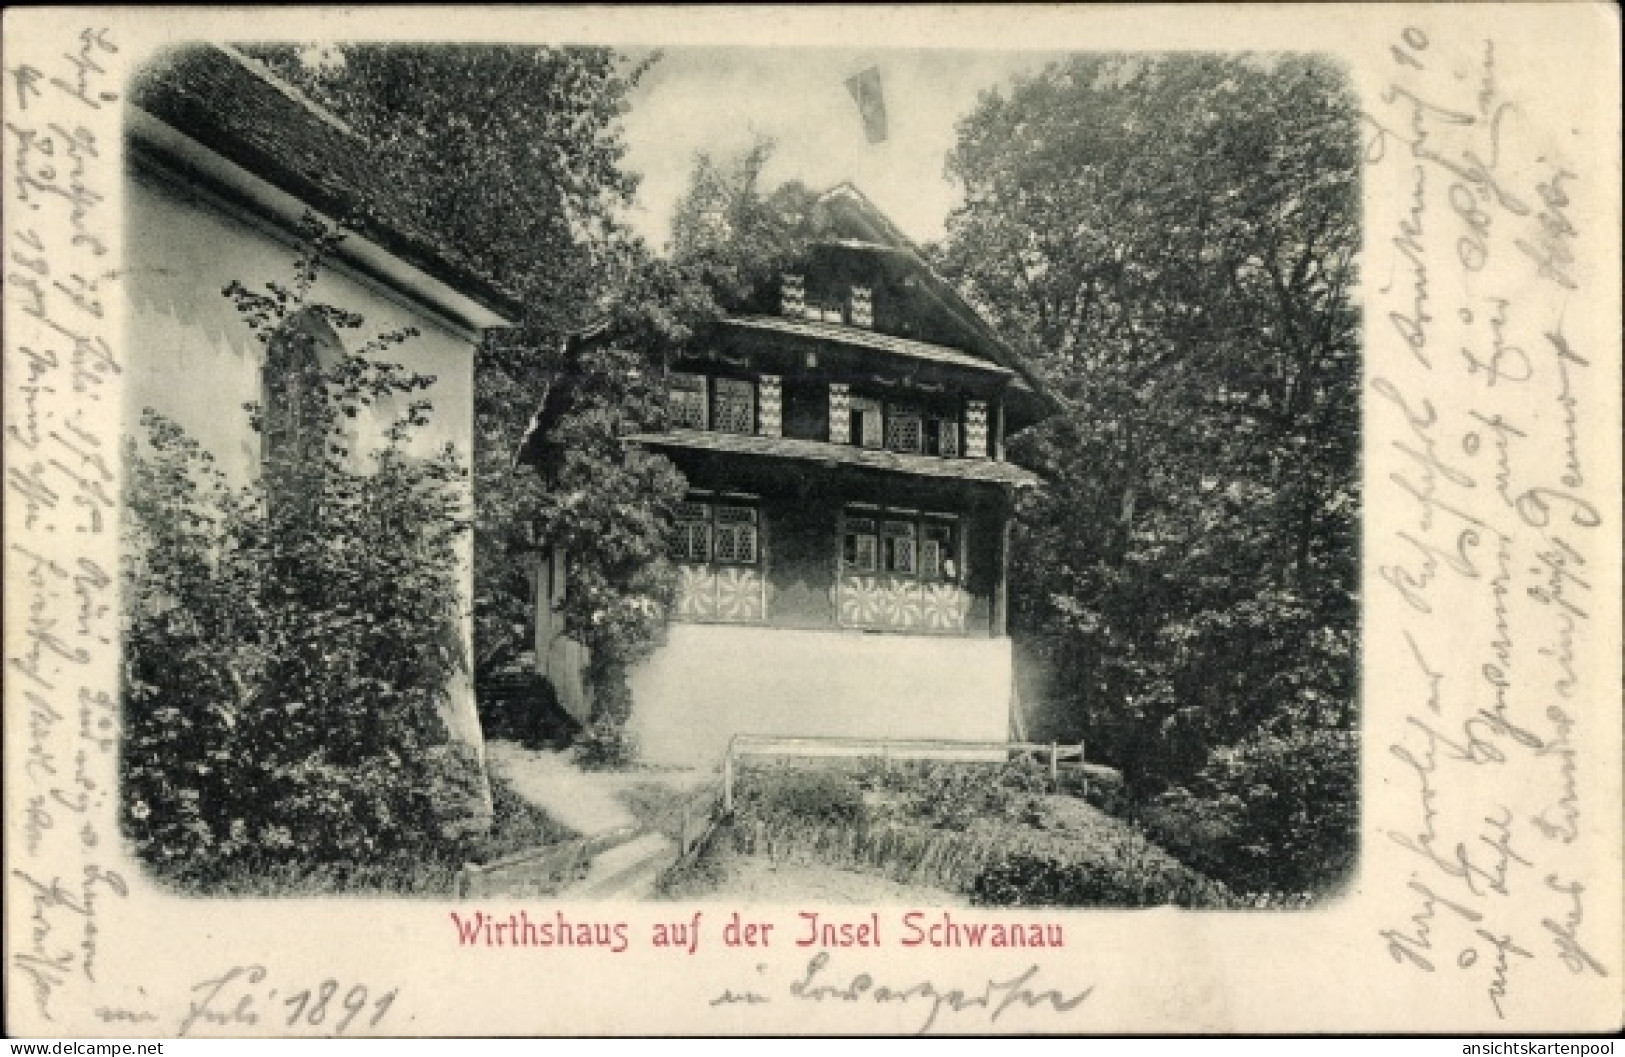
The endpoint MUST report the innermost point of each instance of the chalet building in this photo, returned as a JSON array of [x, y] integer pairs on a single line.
[[843, 546], [225, 161]]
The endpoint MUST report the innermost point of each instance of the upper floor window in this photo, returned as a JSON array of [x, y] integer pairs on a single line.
[[905, 428], [896, 426], [942, 436], [826, 302], [734, 406], [298, 423], [689, 404], [724, 404], [296, 416], [868, 422]]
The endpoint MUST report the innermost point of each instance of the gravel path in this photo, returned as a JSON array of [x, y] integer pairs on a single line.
[[587, 802]]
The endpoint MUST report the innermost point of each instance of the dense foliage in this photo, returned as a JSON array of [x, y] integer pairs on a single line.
[[1172, 241], [289, 643], [513, 156], [729, 233]]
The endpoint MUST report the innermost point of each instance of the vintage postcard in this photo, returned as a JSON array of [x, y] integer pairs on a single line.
[[929, 520]]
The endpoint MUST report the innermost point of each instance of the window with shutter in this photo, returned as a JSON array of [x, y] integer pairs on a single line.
[[899, 547], [938, 556], [942, 437]]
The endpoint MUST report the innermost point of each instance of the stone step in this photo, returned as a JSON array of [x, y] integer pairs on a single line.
[[627, 871]]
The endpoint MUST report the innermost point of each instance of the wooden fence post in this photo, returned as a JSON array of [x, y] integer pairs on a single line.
[[728, 780]]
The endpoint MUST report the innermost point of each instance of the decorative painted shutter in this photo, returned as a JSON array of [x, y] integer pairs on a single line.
[[863, 307], [792, 295], [976, 429], [840, 413], [771, 398]]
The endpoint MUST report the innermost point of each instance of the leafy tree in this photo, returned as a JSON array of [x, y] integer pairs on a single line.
[[515, 155], [289, 643], [1173, 239], [729, 234]]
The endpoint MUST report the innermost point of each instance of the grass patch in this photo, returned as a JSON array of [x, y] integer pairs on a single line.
[[1003, 835], [429, 871]]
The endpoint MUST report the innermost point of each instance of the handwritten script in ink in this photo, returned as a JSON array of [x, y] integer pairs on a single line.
[[61, 442], [1490, 471], [818, 982]]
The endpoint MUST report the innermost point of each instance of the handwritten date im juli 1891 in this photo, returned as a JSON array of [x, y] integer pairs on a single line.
[[241, 998]]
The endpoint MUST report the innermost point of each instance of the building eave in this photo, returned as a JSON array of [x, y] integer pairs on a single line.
[[869, 341], [173, 126], [977, 471]]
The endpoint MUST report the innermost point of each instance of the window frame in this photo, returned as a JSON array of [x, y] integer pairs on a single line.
[[737, 388], [932, 419], [714, 521], [898, 413], [703, 389], [879, 519]]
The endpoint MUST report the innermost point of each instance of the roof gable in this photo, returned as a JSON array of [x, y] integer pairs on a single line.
[[241, 112], [846, 222]]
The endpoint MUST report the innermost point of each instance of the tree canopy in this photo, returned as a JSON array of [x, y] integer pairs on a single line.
[[1172, 240], [514, 155]]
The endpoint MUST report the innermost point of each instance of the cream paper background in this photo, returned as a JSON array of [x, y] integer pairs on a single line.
[[1334, 969]]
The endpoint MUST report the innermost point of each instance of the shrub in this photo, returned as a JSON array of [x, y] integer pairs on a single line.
[[289, 643], [952, 795], [605, 744], [811, 795], [1129, 876], [1276, 816]]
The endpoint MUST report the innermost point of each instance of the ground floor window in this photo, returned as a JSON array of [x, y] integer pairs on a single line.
[[716, 542], [922, 546], [722, 531]]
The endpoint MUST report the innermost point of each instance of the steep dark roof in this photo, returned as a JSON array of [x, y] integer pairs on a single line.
[[850, 220], [243, 113]]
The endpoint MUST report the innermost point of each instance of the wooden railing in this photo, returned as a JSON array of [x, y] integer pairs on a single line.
[[543, 871], [697, 817], [1054, 753]]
